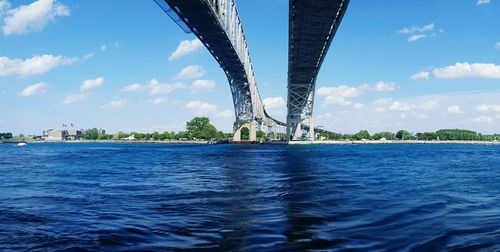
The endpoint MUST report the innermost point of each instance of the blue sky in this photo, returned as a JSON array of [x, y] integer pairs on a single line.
[[124, 66]]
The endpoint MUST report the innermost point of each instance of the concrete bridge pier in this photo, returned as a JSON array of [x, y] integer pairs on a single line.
[[294, 129], [311, 128], [252, 130]]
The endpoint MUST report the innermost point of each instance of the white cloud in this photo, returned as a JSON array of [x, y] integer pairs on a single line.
[[105, 47], [159, 100], [497, 45], [377, 117], [88, 56], [359, 106], [417, 29], [417, 33], [342, 91], [276, 106], [337, 95], [91, 84], [383, 101], [480, 2], [35, 89], [454, 109], [424, 75], [75, 97], [420, 116], [488, 107], [157, 88], [134, 88], [338, 100], [430, 104], [228, 113], [32, 17], [32, 66], [482, 119], [466, 70], [186, 47], [154, 87], [4, 7], [191, 72], [201, 108], [382, 86], [416, 37], [400, 106], [200, 85], [114, 104]]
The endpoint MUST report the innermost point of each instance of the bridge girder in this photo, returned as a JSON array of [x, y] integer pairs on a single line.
[[217, 25], [313, 24]]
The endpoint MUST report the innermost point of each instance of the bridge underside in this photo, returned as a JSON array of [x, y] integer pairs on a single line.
[[206, 26], [217, 25], [313, 24]]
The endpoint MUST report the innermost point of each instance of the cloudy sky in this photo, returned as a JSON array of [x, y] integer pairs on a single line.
[[124, 65]]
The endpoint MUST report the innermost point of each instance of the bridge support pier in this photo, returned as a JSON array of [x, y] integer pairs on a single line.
[[293, 129], [252, 131], [311, 128]]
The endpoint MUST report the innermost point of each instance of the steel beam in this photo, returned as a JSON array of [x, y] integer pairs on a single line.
[[313, 24]]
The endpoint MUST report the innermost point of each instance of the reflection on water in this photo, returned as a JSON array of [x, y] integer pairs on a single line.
[[253, 198]]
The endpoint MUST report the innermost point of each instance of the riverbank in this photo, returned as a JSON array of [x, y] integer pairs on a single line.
[[347, 142], [398, 142], [123, 141]]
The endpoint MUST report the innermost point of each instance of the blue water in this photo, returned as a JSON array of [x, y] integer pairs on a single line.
[[108, 197]]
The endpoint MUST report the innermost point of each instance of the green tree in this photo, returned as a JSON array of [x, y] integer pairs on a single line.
[[427, 136], [122, 135], [91, 134], [386, 135], [245, 133], [363, 134], [182, 135], [262, 135], [200, 128], [6, 136], [404, 135]]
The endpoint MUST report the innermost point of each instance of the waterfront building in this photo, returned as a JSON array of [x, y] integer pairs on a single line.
[[62, 135], [57, 135]]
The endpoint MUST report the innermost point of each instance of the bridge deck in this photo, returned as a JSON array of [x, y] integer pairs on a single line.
[[313, 24]]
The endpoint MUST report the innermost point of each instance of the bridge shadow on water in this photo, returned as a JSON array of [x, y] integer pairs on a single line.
[[304, 206], [270, 206], [250, 198]]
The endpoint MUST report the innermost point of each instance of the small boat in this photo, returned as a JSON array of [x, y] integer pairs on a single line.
[[21, 144]]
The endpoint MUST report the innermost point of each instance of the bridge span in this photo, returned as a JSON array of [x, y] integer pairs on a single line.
[[312, 26], [217, 25]]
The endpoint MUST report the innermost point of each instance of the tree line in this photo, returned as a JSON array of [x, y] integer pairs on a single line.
[[442, 135], [197, 128], [6, 136]]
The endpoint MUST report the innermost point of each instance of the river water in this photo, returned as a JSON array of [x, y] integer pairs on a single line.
[[109, 197]]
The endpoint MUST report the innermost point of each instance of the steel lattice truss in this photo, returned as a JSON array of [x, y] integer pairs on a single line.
[[313, 24], [217, 25]]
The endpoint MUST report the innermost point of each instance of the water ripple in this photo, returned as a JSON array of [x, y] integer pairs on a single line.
[[115, 197]]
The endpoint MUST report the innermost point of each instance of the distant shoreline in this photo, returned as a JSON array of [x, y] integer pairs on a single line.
[[399, 142], [331, 142]]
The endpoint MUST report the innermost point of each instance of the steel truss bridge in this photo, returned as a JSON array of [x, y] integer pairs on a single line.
[[216, 23]]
